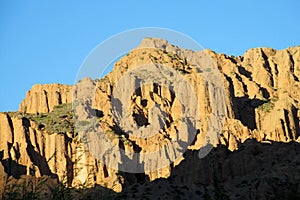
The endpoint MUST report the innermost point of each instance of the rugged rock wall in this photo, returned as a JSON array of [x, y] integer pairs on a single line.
[[27, 150], [255, 171], [265, 84], [43, 98], [262, 101]]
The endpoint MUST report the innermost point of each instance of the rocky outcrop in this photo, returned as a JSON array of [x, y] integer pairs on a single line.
[[28, 150], [255, 93], [262, 88], [264, 82], [43, 98]]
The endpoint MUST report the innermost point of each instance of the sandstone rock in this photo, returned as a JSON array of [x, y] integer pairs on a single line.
[[260, 102], [42, 98]]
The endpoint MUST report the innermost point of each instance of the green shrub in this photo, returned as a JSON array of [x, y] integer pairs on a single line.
[[268, 105], [59, 120], [172, 55]]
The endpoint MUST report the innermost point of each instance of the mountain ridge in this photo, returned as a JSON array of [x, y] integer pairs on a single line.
[[261, 97]]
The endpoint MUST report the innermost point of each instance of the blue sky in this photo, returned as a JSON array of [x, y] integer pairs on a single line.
[[47, 41]]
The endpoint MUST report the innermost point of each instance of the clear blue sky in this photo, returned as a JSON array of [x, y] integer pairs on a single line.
[[47, 41]]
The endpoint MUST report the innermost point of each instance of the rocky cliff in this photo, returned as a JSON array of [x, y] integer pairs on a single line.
[[43, 98], [260, 93]]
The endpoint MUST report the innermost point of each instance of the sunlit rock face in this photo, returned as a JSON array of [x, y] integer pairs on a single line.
[[256, 94]]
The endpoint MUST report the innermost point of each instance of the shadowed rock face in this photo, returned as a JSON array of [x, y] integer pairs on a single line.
[[262, 103], [255, 171]]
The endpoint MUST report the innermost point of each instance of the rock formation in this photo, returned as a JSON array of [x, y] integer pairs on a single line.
[[262, 104], [255, 171], [43, 98]]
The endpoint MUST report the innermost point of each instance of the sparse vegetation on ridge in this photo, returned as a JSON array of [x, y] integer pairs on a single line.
[[59, 120]]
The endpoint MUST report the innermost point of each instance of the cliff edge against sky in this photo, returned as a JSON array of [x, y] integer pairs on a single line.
[[260, 133]]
